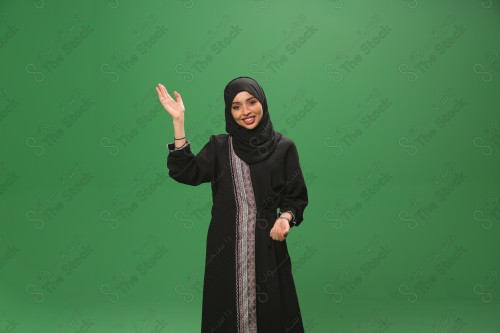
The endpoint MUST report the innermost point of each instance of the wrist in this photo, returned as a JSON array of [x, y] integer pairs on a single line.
[[286, 215], [178, 121], [289, 216], [284, 218]]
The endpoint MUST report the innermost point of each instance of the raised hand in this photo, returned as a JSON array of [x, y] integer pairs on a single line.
[[174, 107]]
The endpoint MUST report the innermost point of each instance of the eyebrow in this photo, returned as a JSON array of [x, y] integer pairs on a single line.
[[246, 100]]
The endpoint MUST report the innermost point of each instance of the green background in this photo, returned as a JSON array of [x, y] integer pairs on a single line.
[[393, 106]]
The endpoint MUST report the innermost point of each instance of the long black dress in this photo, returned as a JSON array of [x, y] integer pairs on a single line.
[[248, 284]]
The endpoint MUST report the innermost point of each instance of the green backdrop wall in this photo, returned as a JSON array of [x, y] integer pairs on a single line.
[[393, 106]]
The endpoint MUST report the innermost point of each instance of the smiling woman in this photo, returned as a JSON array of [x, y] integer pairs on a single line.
[[246, 110], [254, 171]]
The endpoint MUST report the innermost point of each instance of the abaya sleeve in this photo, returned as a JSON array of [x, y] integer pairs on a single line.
[[294, 198], [186, 168]]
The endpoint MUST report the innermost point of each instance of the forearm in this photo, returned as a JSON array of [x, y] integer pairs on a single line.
[[179, 131]]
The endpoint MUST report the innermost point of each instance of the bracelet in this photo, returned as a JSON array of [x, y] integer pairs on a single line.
[[282, 217], [289, 211], [179, 138], [182, 146]]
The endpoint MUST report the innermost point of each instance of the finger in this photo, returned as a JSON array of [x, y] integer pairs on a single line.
[[274, 234], [165, 93], [178, 96], [161, 93], [277, 235], [280, 232]]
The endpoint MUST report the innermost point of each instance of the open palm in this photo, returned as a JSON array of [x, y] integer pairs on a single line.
[[174, 107]]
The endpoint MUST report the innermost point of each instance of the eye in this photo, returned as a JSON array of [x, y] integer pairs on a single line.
[[253, 101]]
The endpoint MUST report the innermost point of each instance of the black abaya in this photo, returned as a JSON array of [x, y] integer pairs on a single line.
[[248, 284]]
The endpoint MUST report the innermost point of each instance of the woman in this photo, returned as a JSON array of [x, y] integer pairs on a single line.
[[254, 171]]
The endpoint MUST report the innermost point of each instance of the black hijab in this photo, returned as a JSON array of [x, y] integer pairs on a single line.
[[251, 145]]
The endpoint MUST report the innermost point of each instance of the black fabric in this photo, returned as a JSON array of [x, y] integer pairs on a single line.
[[251, 145], [278, 183]]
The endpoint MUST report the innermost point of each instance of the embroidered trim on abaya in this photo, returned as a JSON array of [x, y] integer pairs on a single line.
[[245, 245]]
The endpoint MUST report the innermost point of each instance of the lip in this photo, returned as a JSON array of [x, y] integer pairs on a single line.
[[252, 120]]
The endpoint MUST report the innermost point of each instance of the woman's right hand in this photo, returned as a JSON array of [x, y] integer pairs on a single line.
[[174, 108]]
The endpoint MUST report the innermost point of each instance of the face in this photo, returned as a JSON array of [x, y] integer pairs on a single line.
[[246, 110]]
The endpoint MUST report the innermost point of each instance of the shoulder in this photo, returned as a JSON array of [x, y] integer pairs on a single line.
[[285, 148], [285, 143]]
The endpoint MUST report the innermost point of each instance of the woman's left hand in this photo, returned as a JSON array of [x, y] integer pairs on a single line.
[[280, 229]]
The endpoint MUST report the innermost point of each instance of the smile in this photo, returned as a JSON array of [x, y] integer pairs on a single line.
[[249, 120]]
